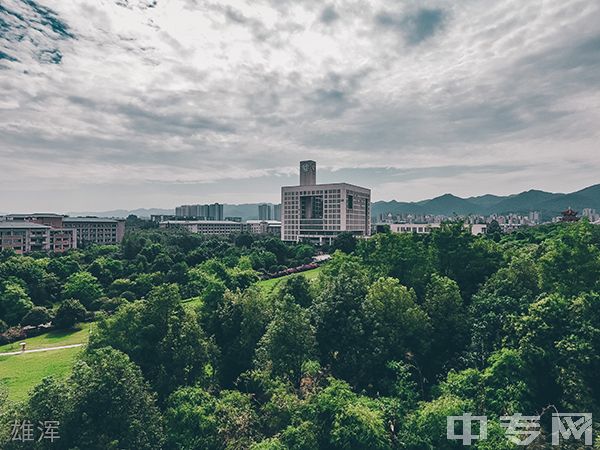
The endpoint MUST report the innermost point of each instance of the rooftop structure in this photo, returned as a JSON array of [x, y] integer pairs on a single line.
[[569, 215]]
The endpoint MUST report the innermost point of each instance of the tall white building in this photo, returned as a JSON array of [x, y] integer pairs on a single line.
[[319, 212]]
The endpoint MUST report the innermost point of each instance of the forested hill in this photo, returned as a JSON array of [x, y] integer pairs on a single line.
[[549, 204]]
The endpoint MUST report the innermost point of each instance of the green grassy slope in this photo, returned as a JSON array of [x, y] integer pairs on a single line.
[[21, 373], [79, 335], [269, 285]]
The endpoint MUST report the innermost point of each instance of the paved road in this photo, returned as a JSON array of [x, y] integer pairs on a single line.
[[47, 349]]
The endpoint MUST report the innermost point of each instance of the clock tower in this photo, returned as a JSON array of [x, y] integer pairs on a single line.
[[308, 173]]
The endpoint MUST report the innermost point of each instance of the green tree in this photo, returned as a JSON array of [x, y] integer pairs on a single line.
[[106, 269], [14, 303], [503, 298], [82, 286], [396, 329], [464, 258], [241, 320], [69, 313], [237, 420], [298, 288], [570, 261], [38, 315], [191, 421], [345, 420], [444, 306], [162, 338], [402, 256], [426, 428], [64, 266], [345, 242], [38, 283], [494, 230], [358, 426], [289, 340], [110, 405], [339, 316]]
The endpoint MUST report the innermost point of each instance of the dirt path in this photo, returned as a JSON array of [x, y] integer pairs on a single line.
[[47, 349]]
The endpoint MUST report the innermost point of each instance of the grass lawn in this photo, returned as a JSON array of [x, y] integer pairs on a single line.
[[21, 373], [269, 285], [57, 338]]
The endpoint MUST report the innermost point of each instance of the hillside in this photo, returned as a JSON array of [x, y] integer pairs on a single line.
[[548, 203]]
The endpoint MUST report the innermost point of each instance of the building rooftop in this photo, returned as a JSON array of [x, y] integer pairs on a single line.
[[309, 187], [201, 222], [18, 225], [88, 220], [270, 222], [22, 216]]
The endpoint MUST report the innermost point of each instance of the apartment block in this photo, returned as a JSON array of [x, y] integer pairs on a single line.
[[265, 212], [205, 212]]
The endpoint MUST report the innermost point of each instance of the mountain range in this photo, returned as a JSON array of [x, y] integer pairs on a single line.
[[547, 203]]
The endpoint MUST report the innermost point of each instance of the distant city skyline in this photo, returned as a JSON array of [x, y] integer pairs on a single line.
[[125, 104]]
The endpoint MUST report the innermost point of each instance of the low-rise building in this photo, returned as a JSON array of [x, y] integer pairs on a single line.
[[24, 237], [426, 228], [96, 230], [264, 227], [210, 227]]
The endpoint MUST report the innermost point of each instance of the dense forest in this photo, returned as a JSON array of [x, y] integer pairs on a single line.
[[396, 333]]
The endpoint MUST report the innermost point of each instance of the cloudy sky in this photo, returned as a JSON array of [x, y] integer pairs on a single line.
[[151, 103]]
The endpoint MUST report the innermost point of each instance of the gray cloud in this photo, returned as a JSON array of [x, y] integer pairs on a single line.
[[415, 26], [329, 15], [128, 106]]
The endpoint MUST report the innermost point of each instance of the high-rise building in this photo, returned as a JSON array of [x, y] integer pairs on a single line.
[[265, 212], [319, 212], [202, 212], [215, 211], [277, 212], [534, 217]]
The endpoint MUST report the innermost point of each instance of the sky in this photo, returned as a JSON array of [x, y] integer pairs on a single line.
[[155, 103]]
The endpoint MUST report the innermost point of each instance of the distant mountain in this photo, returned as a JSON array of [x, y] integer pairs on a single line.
[[486, 201], [549, 204], [448, 202], [524, 201]]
